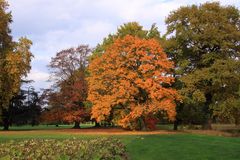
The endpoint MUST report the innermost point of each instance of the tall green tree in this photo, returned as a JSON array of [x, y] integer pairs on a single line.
[[15, 59], [204, 43]]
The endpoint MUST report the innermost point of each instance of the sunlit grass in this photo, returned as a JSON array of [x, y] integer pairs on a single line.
[[46, 127]]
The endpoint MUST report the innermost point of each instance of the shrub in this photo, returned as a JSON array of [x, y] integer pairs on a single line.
[[51, 149], [151, 123]]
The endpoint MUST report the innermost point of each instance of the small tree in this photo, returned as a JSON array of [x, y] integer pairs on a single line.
[[68, 73], [24, 108]]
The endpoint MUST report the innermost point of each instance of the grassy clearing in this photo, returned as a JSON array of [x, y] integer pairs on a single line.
[[152, 147], [219, 127], [53, 127], [187, 147], [46, 127]]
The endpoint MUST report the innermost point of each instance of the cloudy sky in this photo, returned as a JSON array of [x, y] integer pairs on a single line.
[[54, 25]]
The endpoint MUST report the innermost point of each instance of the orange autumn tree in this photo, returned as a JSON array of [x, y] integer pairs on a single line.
[[130, 83]]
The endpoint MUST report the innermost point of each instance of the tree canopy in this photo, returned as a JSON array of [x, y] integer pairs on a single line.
[[68, 72], [128, 83], [204, 43]]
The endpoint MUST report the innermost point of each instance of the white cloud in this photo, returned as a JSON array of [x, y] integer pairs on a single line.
[[55, 40], [40, 79], [38, 75]]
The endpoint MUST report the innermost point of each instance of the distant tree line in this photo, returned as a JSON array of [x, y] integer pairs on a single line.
[[24, 108]]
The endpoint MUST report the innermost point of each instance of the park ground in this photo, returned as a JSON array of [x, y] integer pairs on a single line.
[[155, 145]]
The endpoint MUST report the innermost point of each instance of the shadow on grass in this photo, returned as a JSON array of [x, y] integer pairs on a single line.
[[44, 127]]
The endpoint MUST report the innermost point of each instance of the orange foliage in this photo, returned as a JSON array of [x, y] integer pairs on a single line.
[[151, 122], [73, 97], [68, 70], [53, 116], [127, 82], [67, 105]]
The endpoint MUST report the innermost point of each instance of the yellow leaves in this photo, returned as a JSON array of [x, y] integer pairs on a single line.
[[14, 65], [12, 61], [199, 96], [18, 61]]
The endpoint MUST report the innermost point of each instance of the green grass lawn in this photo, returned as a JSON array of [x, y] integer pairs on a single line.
[[161, 147], [51, 127], [46, 127], [186, 147]]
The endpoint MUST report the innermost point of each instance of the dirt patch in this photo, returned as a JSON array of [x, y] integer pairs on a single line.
[[114, 131], [95, 131], [210, 132]]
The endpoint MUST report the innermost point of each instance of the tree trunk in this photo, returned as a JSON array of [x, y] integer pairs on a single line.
[[113, 125], [207, 125], [5, 118], [6, 125], [97, 125], [76, 125], [237, 121], [105, 124], [175, 125], [142, 125]]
